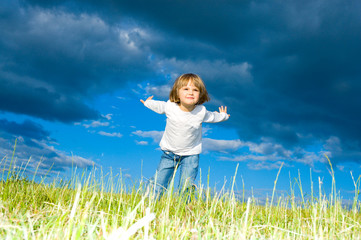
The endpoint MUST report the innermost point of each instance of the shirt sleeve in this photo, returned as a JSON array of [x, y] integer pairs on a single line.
[[156, 106], [214, 117]]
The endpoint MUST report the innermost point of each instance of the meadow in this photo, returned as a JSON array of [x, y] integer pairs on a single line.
[[92, 206]]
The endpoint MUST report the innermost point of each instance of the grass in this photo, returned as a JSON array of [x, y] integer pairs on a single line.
[[90, 207]]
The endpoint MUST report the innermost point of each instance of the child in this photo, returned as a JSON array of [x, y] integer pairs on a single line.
[[182, 139]]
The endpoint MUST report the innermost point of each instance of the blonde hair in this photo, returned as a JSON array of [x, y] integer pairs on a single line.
[[182, 81]]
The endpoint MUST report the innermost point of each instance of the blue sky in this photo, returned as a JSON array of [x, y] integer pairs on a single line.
[[72, 74]]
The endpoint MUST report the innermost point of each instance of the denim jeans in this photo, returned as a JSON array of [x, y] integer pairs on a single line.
[[169, 163]]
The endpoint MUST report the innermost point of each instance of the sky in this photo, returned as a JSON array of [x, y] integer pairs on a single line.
[[72, 74]]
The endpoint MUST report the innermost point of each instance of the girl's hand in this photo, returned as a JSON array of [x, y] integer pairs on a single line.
[[223, 109], [149, 98]]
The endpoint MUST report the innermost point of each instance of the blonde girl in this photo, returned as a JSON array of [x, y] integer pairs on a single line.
[[182, 139]]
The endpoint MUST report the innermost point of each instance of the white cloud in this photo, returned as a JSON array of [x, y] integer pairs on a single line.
[[268, 155], [141, 143], [267, 148], [159, 91], [265, 165], [114, 134], [76, 160], [206, 130], [308, 158], [95, 124], [108, 116], [155, 135], [132, 37], [252, 157], [341, 168], [333, 145], [221, 145]]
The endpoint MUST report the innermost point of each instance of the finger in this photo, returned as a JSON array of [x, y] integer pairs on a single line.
[[149, 98], [225, 109], [142, 101]]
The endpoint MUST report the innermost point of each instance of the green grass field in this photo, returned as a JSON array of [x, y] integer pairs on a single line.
[[87, 207]]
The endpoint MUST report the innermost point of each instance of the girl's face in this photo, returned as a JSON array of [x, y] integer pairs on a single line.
[[188, 95]]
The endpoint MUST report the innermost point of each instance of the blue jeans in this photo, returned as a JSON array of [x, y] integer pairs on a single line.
[[169, 163]]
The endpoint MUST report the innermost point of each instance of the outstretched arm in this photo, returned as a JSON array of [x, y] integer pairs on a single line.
[[213, 117], [156, 106], [149, 98]]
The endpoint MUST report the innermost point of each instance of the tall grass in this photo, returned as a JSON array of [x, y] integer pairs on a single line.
[[91, 207]]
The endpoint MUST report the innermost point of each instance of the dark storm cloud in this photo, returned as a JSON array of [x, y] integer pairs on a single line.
[[52, 62], [225, 24], [40, 102], [308, 75], [288, 70], [27, 129]]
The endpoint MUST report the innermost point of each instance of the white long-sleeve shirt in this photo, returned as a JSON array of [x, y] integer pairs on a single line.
[[183, 131]]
